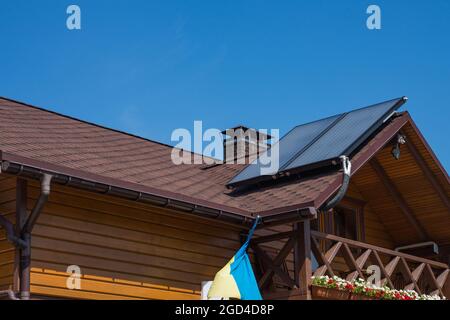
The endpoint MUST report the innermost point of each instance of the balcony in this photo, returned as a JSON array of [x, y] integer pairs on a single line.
[[317, 254], [397, 270]]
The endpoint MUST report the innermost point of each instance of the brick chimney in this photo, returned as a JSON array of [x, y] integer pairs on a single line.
[[243, 145]]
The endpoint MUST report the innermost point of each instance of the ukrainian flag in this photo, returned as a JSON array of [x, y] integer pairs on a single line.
[[236, 280]]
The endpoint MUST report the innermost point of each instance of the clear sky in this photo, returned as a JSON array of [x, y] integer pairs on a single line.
[[149, 67]]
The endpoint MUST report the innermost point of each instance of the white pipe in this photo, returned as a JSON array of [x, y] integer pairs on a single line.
[[11, 295], [418, 245], [347, 168]]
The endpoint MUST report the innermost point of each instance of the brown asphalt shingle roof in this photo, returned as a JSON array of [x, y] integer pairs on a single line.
[[52, 138]]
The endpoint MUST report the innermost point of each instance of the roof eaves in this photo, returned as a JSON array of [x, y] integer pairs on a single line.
[[428, 148], [105, 184]]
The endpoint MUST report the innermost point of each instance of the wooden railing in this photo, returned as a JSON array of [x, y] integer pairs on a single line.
[[336, 256], [349, 259]]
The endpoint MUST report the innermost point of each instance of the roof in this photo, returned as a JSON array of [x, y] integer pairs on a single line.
[[50, 141]]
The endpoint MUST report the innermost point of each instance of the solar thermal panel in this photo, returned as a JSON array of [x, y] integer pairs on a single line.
[[320, 142]]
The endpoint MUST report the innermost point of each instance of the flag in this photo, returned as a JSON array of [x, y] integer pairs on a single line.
[[236, 280]]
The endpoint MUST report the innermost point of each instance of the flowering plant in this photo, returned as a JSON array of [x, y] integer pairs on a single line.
[[361, 287]]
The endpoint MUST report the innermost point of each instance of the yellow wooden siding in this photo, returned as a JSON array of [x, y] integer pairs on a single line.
[[124, 249], [7, 209], [130, 250]]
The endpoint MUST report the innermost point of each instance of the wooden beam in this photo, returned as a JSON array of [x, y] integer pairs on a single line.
[[326, 258], [409, 276], [292, 218], [302, 257], [351, 262], [386, 273], [271, 267], [363, 245], [359, 265], [273, 237], [434, 281], [276, 262], [418, 272], [390, 267], [442, 278], [396, 195], [428, 174]]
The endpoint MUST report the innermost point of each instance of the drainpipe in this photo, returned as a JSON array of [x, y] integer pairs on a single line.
[[11, 295], [25, 253], [419, 245], [347, 167], [10, 234], [98, 187]]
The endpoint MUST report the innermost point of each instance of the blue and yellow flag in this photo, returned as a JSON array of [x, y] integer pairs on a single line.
[[236, 280]]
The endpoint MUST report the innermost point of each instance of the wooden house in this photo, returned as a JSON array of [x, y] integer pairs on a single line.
[[75, 196]]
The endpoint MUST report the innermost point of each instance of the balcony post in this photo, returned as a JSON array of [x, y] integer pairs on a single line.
[[302, 258]]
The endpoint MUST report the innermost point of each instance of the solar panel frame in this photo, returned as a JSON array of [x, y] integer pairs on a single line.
[[305, 160], [364, 136], [252, 170], [338, 118], [290, 165]]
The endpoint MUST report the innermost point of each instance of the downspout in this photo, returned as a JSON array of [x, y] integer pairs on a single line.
[[98, 187], [25, 253], [23, 241], [419, 245], [10, 234], [11, 295], [347, 167]]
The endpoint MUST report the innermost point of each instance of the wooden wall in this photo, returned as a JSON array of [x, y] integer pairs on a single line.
[[126, 250], [130, 250], [416, 191], [7, 251], [374, 231]]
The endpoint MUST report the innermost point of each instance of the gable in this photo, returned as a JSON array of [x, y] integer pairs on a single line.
[[424, 191]]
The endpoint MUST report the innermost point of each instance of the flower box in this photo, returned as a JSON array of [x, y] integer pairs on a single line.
[[329, 293], [356, 296], [335, 288]]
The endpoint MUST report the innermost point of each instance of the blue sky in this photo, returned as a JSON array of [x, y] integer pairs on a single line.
[[149, 67]]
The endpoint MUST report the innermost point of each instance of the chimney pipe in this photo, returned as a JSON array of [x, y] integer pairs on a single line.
[[243, 145]]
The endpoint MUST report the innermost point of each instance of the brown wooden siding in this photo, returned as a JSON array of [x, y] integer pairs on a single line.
[[417, 192], [128, 250], [7, 251], [374, 231], [133, 250], [124, 249]]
